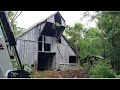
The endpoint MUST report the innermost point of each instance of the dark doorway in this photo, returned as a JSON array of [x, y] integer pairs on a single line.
[[45, 60], [72, 59]]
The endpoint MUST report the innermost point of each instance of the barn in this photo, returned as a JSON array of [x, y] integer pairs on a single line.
[[44, 46]]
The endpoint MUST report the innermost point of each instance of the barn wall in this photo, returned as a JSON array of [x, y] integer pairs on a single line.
[[54, 62], [63, 52], [27, 46], [27, 51], [70, 50], [31, 35]]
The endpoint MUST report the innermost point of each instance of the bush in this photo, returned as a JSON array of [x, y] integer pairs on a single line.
[[28, 68], [101, 69], [82, 61], [15, 64], [87, 66]]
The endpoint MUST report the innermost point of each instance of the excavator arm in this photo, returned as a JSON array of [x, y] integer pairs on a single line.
[[8, 51]]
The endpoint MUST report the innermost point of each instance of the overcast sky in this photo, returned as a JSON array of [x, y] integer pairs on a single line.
[[28, 18]]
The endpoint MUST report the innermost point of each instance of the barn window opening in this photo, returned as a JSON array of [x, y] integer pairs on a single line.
[[40, 39], [59, 41], [47, 47], [72, 59], [44, 39], [40, 46], [57, 18]]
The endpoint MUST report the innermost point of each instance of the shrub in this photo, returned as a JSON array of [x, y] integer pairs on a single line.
[[15, 64], [28, 68], [101, 69], [87, 66]]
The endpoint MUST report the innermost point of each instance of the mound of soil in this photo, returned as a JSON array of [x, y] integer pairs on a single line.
[[81, 73]]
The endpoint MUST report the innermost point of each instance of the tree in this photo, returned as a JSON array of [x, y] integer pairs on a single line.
[[85, 41], [16, 30], [109, 24], [74, 35]]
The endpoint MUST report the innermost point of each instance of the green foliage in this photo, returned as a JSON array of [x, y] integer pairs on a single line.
[[28, 68], [87, 66], [15, 64], [75, 35], [16, 30], [101, 69], [109, 24], [85, 41], [103, 41]]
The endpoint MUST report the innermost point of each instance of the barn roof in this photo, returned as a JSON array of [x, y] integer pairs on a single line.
[[40, 22]]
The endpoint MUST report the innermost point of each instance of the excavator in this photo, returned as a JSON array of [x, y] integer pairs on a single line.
[[10, 64]]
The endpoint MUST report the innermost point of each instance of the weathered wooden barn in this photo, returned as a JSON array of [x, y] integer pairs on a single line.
[[44, 46]]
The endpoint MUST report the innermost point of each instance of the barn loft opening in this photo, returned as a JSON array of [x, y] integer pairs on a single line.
[[57, 18], [40, 39], [42, 46], [72, 59], [59, 41], [39, 46], [45, 60], [53, 30], [48, 30], [47, 47]]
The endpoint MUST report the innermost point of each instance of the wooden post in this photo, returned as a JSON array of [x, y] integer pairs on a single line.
[[43, 43]]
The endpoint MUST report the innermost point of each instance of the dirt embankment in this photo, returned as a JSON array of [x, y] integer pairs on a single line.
[[81, 73]]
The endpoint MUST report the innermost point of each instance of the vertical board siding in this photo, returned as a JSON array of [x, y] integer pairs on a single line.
[[31, 35], [27, 51], [70, 51], [27, 46]]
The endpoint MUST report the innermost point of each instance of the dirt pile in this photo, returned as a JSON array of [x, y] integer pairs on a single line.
[[81, 73]]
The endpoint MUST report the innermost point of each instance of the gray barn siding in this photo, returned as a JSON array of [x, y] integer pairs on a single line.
[[65, 51], [27, 46], [32, 35], [70, 51], [27, 51]]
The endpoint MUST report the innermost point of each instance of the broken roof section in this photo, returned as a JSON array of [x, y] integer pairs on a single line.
[[47, 25], [50, 19], [54, 26]]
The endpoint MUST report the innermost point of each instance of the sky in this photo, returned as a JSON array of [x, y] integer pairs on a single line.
[[28, 18]]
